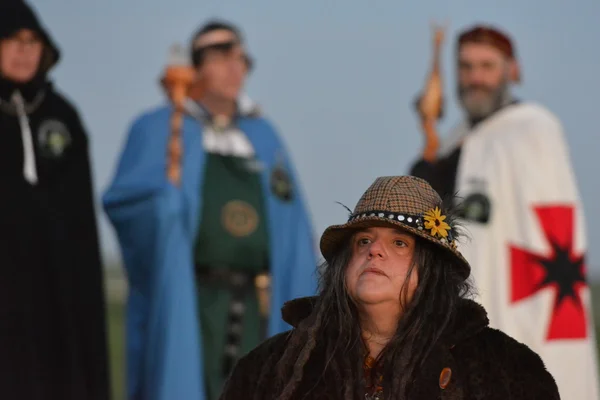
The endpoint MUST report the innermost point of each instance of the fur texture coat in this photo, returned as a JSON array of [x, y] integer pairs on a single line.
[[471, 361]]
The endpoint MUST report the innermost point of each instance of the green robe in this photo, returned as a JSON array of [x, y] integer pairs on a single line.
[[232, 236]]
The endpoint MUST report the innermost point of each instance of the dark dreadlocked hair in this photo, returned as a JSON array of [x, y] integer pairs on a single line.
[[334, 327]]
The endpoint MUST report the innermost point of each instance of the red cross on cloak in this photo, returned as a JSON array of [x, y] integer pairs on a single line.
[[561, 270]]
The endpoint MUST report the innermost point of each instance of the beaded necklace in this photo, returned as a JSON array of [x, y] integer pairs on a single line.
[[374, 389]]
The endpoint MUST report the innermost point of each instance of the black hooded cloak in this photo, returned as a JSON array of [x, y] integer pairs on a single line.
[[52, 311]]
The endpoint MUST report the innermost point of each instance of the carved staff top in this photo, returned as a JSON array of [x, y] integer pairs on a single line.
[[177, 81], [432, 96]]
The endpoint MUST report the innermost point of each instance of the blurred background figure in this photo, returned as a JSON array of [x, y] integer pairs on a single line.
[[218, 234], [338, 90], [52, 316], [510, 165]]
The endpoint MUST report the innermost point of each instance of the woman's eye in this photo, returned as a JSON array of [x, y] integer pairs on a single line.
[[400, 243], [363, 241]]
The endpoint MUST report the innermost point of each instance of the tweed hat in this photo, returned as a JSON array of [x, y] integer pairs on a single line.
[[404, 202]]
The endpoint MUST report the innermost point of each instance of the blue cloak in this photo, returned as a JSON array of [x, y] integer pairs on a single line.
[[156, 224]]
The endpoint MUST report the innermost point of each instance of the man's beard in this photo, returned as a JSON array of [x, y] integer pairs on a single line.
[[482, 107]]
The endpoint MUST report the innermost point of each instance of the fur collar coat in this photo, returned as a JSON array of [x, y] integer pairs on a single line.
[[471, 361]]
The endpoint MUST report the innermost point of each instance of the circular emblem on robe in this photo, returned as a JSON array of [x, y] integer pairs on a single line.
[[239, 218], [281, 184], [53, 138], [477, 208]]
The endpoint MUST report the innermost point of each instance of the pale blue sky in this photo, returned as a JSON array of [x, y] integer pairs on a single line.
[[337, 78]]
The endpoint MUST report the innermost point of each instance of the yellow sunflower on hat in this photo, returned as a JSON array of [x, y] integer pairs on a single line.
[[434, 222]]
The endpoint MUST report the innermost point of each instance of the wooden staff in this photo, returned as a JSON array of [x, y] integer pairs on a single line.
[[431, 101], [177, 81], [262, 284]]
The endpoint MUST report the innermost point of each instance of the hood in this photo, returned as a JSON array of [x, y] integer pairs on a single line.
[[16, 15]]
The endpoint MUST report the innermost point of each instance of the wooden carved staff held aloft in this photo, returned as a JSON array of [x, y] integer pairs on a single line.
[[430, 104], [177, 81]]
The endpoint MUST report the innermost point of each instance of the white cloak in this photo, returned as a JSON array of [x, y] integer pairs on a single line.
[[534, 239]]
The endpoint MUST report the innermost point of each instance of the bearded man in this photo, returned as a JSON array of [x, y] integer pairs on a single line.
[[509, 164]]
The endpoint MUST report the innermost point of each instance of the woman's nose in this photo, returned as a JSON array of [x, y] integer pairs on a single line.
[[376, 249]]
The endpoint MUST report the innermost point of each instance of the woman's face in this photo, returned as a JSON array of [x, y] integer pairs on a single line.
[[20, 56], [377, 271]]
